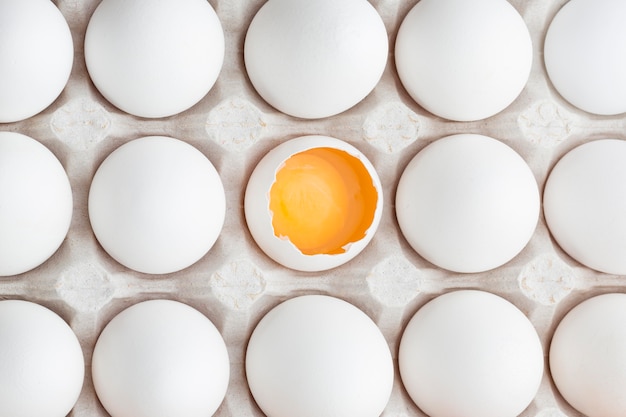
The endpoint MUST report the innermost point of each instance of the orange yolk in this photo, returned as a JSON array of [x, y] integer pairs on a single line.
[[322, 200]]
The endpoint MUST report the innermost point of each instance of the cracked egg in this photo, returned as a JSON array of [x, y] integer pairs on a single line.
[[313, 203]]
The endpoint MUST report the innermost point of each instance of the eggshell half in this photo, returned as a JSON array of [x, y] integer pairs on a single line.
[[259, 216]]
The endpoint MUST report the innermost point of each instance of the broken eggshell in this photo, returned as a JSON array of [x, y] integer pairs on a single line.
[[362, 201]]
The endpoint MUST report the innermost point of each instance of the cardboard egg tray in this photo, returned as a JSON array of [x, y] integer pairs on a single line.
[[235, 284]]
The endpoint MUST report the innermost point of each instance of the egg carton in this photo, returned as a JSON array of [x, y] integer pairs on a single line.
[[235, 284]]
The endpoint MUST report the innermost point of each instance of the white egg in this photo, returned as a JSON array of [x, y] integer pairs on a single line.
[[156, 205], [36, 56], [315, 356], [470, 354], [160, 358], [585, 202], [467, 203], [582, 58], [154, 58], [315, 59], [463, 60], [36, 203], [588, 356], [313, 203], [41, 361]]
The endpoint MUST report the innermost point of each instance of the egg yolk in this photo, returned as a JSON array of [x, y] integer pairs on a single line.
[[322, 200]]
